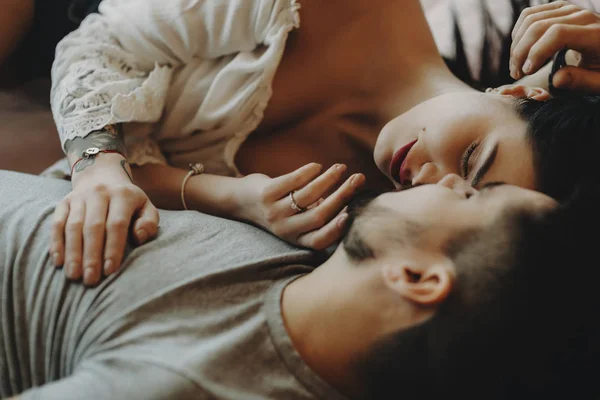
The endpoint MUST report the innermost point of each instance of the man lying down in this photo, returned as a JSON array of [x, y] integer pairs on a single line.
[[440, 290]]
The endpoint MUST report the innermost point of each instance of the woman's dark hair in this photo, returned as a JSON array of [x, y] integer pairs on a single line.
[[564, 133], [520, 323]]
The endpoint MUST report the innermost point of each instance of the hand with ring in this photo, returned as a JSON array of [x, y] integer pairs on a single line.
[[295, 207]]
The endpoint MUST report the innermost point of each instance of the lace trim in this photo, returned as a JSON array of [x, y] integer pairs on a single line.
[[102, 84], [96, 83]]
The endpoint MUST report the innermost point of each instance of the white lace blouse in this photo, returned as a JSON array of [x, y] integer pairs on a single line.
[[189, 79]]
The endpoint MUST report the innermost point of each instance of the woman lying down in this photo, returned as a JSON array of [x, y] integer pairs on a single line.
[[273, 103]]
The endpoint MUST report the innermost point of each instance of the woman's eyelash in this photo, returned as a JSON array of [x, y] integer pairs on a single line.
[[465, 159]]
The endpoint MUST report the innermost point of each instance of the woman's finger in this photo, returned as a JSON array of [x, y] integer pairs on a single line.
[[313, 191], [74, 240], [145, 226], [326, 236], [283, 185], [320, 216], [120, 214], [57, 235], [93, 238], [316, 203]]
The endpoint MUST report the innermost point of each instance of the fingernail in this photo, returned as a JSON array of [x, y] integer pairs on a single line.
[[56, 259], [142, 236], [342, 220], [72, 269], [527, 66], [357, 180], [108, 267], [340, 167], [517, 74], [89, 276]]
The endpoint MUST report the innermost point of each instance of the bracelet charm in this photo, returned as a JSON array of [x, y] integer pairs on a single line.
[[90, 152]]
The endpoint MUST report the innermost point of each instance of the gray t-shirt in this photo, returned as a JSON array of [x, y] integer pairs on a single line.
[[194, 314]]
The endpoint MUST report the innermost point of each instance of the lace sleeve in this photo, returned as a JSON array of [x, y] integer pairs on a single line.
[[95, 82], [117, 67]]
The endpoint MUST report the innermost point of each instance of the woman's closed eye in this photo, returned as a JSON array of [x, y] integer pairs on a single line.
[[466, 159]]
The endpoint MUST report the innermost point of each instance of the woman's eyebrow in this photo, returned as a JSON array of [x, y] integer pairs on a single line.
[[485, 167]]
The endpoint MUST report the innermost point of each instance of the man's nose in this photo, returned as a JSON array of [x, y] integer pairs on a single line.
[[458, 185]]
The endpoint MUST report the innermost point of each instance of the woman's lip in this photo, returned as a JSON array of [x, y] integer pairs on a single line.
[[397, 164]]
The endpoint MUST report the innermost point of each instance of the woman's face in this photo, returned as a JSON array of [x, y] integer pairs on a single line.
[[478, 136]]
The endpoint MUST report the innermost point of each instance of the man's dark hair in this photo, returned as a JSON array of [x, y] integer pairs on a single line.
[[521, 322], [564, 133]]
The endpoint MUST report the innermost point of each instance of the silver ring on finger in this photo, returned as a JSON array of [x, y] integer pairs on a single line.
[[295, 205]]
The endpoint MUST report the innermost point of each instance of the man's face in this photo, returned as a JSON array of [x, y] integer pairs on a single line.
[[442, 211]]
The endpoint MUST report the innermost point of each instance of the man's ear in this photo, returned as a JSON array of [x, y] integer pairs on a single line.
[[523, 92], [424, 285]]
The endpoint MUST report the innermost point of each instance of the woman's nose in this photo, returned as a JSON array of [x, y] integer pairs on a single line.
[[429, 173], [458, 185]]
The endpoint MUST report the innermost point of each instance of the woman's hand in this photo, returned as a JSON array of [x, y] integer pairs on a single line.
[[267, 203], [91, 224], [543, 30]]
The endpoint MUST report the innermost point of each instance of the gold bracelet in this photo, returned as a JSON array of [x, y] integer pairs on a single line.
[[195, 169]]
